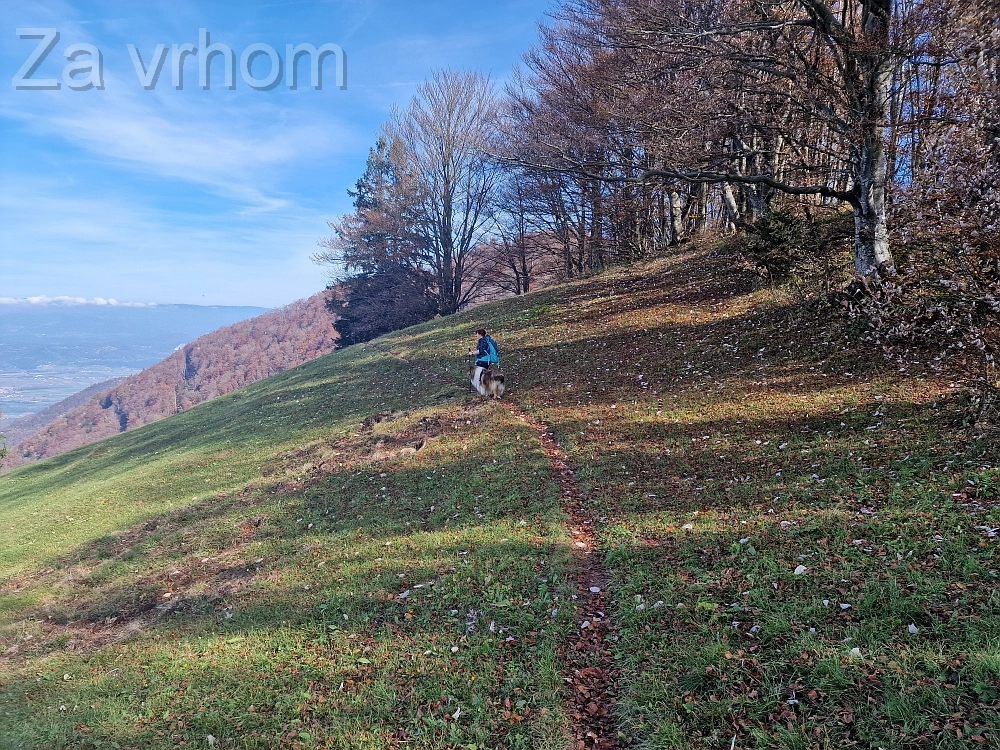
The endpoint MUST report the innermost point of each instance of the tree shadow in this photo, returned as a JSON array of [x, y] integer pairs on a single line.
[[364, 571]]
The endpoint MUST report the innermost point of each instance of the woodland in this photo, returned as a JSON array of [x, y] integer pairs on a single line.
[[848, 149]]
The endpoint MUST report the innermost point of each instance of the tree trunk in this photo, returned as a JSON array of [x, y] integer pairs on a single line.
[[525, 271], [701, 218], [662, 226], [871, 233], [676, 219], [729, 200], [595, 256]]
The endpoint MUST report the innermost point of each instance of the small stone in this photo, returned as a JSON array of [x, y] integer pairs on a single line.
[[595, 589]]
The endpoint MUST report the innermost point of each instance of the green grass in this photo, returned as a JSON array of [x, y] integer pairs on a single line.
[[726, 436], [247, 572], [236, 571]]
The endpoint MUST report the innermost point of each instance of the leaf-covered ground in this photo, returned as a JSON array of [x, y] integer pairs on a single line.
[[800, 542], [802, 539]]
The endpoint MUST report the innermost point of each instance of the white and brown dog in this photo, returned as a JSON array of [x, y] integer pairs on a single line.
[[487, 382]]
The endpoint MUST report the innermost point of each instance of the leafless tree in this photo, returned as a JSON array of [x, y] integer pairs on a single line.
[[789, 97], [445, 134], [526, 249]]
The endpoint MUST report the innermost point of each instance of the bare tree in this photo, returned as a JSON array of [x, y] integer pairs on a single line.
[[790, 97], [444, 136], [526, 250]]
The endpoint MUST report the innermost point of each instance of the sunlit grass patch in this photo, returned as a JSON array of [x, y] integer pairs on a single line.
[[394, 572]]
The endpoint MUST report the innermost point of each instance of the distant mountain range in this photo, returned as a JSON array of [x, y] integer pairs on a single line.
[[212, 365]]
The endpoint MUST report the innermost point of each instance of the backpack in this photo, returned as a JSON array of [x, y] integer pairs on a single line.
[[493, 353]]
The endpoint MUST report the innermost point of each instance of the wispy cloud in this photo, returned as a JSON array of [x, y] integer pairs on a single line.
[[239, 152], [98, 301], [240, 145], [116, 243]]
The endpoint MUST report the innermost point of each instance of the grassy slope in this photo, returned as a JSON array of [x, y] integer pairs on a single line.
[[723, 437], [256, 595], [726, 438]]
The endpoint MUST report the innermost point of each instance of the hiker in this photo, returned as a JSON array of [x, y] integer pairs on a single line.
[[486, 381], [487, 352]]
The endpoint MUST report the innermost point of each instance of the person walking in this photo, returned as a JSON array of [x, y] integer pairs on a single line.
[[487, 352]]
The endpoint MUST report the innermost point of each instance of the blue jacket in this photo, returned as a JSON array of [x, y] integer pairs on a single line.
[[483, 353]]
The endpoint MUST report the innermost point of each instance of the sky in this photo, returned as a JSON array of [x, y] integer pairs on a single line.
[[219, 196]]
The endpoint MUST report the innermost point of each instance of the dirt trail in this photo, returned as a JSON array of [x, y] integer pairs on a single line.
[[588, 665]]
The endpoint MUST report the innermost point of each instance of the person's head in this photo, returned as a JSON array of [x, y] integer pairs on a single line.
[[481, 332]]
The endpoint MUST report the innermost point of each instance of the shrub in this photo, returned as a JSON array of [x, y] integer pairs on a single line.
[[792, 245], [944, 306]]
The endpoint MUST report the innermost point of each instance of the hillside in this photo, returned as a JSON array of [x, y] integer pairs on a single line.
[[17, 430], [51, 349], [212, 365], [710, 518]]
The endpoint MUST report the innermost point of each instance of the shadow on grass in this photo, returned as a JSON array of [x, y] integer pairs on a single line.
[[879, 642], [342, 663], [358, 578], [782, 352], [714, 462]]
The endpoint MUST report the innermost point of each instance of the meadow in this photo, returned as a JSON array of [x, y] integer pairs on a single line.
[[798, 540]]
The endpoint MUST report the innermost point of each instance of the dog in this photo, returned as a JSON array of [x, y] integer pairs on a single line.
[[487, 382]]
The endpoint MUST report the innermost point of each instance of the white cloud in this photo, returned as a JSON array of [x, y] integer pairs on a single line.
[[238, 152], [64, 300]]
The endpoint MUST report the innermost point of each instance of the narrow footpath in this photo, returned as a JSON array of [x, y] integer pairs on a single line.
[[589, 669]]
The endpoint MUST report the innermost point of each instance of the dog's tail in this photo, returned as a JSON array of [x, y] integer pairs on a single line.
[[500, 384]]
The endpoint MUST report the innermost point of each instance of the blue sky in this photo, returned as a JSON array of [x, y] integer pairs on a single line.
[[218, 196]]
